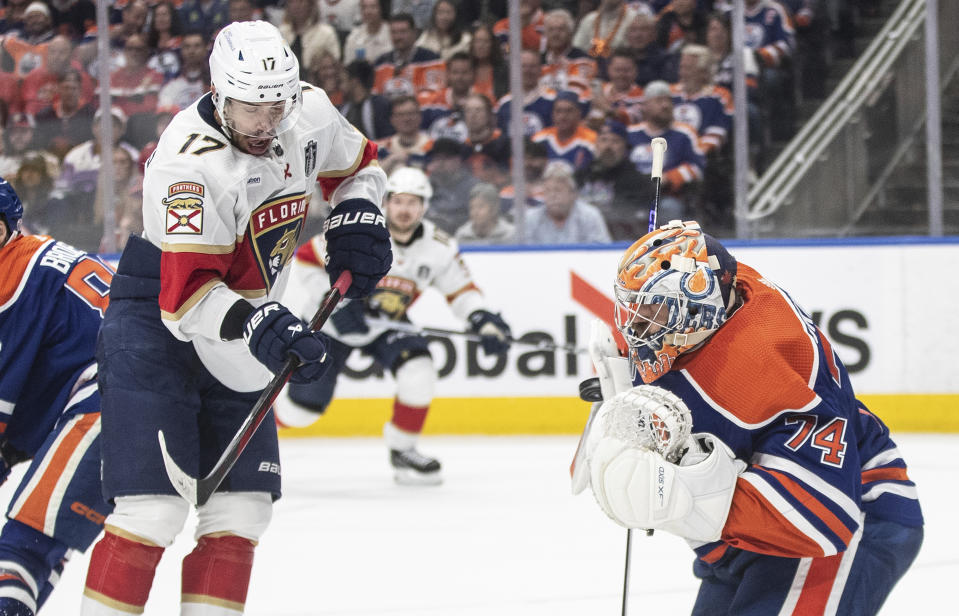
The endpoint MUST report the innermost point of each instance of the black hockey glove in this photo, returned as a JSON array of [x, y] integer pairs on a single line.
[[357, 240], [493, 329], [350, 317], [274, 334]]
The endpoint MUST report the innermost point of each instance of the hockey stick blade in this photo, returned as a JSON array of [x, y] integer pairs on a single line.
[[182, 482], [199, 491]]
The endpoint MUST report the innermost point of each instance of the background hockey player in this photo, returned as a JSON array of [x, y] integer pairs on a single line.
[[52, 298], [425, 257], [194, 330], [800, 502]]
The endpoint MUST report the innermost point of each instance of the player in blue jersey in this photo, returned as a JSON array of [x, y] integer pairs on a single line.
[[52, 299], [800, 502]]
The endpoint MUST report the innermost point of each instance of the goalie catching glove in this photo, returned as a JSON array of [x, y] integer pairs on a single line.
[[357, 240], [274, 334], [493, 329], [632, 455]]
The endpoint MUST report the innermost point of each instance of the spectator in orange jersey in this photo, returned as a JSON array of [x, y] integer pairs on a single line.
[[568, 139], [40, 85], [565, 67], [407, 69], [27, 48], [531, 24]]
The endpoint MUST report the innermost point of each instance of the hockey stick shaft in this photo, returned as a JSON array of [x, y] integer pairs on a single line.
[[411, 328], [198, 491], [659, 151]]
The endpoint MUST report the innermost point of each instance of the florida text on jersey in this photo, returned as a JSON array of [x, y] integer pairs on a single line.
[[227, 222]]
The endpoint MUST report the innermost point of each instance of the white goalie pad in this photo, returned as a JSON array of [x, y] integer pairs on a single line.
[[614, 376]]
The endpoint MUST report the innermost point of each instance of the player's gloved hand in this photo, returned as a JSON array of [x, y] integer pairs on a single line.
[[350, 317], [274, 334], [493, 329], [357, 240]]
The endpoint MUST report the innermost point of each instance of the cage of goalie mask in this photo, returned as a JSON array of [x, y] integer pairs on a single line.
[[674, 288]]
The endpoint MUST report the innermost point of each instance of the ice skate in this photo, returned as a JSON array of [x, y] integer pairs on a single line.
[[410, 467]]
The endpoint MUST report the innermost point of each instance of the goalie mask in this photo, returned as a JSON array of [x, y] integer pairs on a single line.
[[674, 288], [256, 80]]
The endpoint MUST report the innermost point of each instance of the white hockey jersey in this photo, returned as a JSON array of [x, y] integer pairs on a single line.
[[430, 259], [227, 222]]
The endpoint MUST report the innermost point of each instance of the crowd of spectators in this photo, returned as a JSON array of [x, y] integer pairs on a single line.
[[428, 81]]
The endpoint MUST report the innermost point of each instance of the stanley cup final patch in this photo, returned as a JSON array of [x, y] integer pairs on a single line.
[[309, 157], [184, 209]]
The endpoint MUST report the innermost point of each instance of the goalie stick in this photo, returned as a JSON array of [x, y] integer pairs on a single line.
[[659, 152], [199, 490], [412, 328]]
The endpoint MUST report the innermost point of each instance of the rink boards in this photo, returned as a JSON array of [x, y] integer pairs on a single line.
[[887, 306]]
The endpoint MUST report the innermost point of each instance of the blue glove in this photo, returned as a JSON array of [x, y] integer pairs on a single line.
[[274, 334], [350, 318], [493, 329], [357, 240]]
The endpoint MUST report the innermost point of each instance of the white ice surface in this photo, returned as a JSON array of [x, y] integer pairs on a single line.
[[501, 536]]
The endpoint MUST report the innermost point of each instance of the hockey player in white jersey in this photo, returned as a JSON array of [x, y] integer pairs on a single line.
[[425, 257], [194, 329]]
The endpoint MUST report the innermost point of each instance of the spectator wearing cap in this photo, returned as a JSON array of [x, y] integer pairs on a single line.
[[27, 47], [67, 122], [371, 39], [537, 99], [41, 85], [684, 161], [565, 67], [485, 225], [409, 145], [20, 143], [613, 184], [452, 183], [366, 111], [194, 78], [568, 138], [620, 97], [135, 89], [564, 217]]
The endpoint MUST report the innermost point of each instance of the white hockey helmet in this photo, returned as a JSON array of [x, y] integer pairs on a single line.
[[251, 63], [410, 181]]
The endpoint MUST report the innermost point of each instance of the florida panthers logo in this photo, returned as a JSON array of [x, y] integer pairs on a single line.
[[273, 231]]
